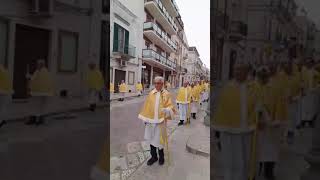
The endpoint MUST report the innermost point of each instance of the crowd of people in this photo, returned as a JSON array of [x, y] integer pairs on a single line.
[[260, 109], [158, 108]]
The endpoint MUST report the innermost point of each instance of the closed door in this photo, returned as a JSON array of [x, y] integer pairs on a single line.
[[118, 77], [31, 44]]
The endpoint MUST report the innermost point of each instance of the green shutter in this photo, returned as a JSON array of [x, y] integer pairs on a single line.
[[115, 37], [126, 42]]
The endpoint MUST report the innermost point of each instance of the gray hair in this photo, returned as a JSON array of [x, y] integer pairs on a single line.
[[159, 79]]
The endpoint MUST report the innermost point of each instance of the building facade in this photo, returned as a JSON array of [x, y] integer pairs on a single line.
[[159, 29], [126, 43], [259, 32], [66, 34], [196, 70]]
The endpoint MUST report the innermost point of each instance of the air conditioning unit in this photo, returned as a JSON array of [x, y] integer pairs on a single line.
[[123, 63], [41, 8]]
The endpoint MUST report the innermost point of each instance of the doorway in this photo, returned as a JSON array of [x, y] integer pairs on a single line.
[[118, 77], [31, 44], [233, 59]]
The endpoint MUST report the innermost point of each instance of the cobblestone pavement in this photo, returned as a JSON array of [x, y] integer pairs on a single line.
[[182, 165], [291, 160], [63, 148]]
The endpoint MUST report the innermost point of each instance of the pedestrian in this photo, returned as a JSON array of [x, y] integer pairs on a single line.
[[268, 144], [195, 96], [157, 109], [5, 92], [292, 86], [111, 88], [235, 120], [139, 88], [41, 89], [95, 84], [122, 90], [308, 111], [183, 100]]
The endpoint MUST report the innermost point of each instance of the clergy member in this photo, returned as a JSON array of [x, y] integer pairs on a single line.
[[5, 92], [95, 83], [41, 89], [235, 120], [183, 100], [157, 109], [195, 96], [122, 90], [139, 88]]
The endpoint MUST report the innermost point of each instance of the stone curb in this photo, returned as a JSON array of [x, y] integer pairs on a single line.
[[71, 110], [196, 151]]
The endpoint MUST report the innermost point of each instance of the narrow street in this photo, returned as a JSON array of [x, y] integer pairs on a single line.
[[63, 148]]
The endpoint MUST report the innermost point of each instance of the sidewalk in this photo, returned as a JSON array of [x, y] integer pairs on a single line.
[[18, 111], [183, 165], [291, 162]]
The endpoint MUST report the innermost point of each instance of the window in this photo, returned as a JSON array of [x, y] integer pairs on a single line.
[[68, 51], [120, 39], [131, 78], [3, 42]]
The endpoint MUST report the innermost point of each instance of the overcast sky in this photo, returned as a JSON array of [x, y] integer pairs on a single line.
[[196, 18]]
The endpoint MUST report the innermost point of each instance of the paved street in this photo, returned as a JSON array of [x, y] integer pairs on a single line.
[[129, 151], [61, 149]]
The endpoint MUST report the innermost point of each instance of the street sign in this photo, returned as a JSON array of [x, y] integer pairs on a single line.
[[143, 67]]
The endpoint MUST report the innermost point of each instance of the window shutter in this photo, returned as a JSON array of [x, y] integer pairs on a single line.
[[126, 43], [115, 37]]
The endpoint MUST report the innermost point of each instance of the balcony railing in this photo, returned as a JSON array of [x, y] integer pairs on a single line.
[[160, 33], [165, 13], [175, 5], [123, 48], [149, 53]]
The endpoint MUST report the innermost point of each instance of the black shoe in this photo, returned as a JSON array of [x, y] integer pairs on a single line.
[[31, 121], [3, 123], [154, 158], [180, 123], [161, 157]]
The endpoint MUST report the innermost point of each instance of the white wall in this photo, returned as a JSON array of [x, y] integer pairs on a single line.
[[17, 13]]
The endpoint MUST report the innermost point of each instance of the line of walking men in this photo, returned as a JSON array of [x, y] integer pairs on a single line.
[[260, 108], [41, 88], [189, 98]]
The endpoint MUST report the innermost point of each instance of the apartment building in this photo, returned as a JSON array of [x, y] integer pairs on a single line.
[[159, 30], [194, 65], [231, 27], [126, 40], [65, 33]]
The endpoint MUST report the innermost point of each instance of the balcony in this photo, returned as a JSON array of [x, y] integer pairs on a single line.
[[238, 30], [123, 50], [158, 37], [157, 59], [156, 9], [172, 7]]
